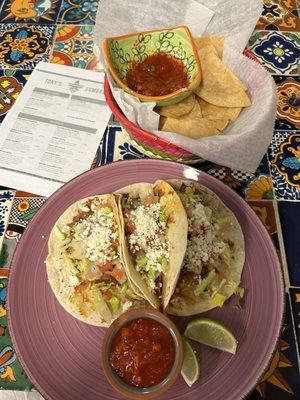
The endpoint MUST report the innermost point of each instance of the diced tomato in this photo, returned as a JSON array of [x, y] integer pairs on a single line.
[[115, 243], [107, 295], [81, 288], [129, 226], [203, 230], [222, 275], [118, 274], [149, 199], [108, 266]]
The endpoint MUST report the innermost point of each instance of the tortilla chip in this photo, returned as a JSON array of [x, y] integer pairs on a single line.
[[219, 85], [211, 111], [194, 128], [178, 109], [216, 41], [196, 110]]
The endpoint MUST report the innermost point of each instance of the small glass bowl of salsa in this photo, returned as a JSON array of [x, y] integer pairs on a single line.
[[142, 354]]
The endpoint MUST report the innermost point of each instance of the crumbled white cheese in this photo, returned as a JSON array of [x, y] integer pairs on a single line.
[[149, 236], [147, 226], [202, 246], [127, 305], [96, 232], [154, 259], [84, 207], [73, 280]]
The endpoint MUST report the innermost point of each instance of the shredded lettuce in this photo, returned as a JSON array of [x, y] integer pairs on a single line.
[[114, 303], [204, 283], [141, 261], [163, 215], [190, 195], [218, 299], [70, 265], [221, 221], [126, 201], [226, 255], [240, 293], [84, 263], [123, 288], [59, 233]]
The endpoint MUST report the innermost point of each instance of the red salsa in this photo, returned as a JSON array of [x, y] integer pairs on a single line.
[[142, 352], [158, 74]]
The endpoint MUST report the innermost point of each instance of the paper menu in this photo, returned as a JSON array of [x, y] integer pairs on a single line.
[[52, 132]]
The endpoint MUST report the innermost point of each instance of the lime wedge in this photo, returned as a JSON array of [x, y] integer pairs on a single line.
[[190, 370], [212, 333]]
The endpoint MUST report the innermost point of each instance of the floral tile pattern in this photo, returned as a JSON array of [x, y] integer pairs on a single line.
[[6, 200], [24, 208], [279, 15], [11, 84], [12, 375], [81, 12], [23, 46], [265, 211], [116, 145], [284, 156], [277, 51], [288, 107], [33, 11], [74, 46]]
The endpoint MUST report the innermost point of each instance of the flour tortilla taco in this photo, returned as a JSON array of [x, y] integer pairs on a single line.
[[153, 217], [213, 263], [84, 264]]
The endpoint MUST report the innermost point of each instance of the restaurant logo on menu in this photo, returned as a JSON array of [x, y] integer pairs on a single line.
[[74, 87]]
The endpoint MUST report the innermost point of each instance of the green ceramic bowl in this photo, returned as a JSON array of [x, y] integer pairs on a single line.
[[120, 51]]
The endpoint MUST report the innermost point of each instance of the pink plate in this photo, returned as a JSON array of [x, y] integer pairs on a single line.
[[61, 354]]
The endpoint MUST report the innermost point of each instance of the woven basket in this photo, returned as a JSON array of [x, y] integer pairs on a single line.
[[147, 142]]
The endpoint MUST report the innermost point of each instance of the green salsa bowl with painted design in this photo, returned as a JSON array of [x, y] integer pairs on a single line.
[[122, 52]]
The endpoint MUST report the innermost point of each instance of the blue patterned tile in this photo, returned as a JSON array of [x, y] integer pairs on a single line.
[[255, 186], [33, 12], [288, 106], [117, 146], [73, 46], [284, 156], [106, 150], [80, 12], [11, 84], [290, 224], [277, 51], [23, 45]]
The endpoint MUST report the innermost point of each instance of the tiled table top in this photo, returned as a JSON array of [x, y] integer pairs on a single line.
[[61, 31]]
